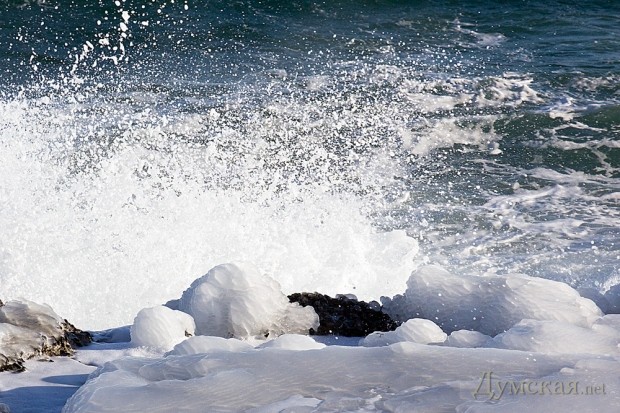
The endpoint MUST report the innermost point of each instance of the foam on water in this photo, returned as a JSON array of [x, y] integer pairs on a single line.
[[329, 166], [137, 226], [125, 198]]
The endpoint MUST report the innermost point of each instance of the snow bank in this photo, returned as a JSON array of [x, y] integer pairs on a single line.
[[161, 327], [402, 377], [488, 304], [235, 300], [416, 330]]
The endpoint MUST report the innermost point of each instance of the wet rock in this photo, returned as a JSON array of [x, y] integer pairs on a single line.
[[344, 315]]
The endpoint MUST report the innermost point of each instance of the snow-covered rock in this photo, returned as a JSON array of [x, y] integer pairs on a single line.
[[488, 304], [162, 328], [235, 300], [416, 330]]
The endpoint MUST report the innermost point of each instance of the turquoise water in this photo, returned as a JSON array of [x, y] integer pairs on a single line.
[[489, 133]]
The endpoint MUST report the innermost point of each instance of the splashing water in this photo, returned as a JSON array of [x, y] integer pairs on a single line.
[[148, 143]]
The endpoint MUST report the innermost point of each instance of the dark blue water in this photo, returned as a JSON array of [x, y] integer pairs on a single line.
[[490, 133]]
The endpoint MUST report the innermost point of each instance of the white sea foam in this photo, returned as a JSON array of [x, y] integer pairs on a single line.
[[106, 224], [486, 40]]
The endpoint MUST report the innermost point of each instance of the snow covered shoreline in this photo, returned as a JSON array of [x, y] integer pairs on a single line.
[[233, 342]]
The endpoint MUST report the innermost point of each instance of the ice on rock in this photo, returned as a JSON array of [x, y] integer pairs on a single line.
[[27, 314], [488, 304], [16, 344], [416, 330], [161, 328], [235, 300], [28, 329], [209, 344]]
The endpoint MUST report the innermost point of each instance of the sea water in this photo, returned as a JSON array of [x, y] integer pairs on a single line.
[[338, 146]]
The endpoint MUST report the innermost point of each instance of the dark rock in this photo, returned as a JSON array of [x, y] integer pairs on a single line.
[[344, 316], [11, 364], [74, 336]]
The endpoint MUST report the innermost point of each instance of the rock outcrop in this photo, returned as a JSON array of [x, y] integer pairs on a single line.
[[344, 316]]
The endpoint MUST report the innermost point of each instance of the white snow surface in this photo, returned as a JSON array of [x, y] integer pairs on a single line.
[[416, 330], [402, 377], [209, 344]]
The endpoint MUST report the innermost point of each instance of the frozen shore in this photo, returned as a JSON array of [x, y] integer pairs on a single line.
[[233, 342]]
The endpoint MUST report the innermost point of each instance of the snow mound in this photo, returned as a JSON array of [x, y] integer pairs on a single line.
[[467, 339], [292, 342], [554, 337], [416, 330], [488, 304], [209, 344], [160, 327], [235, 300]]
